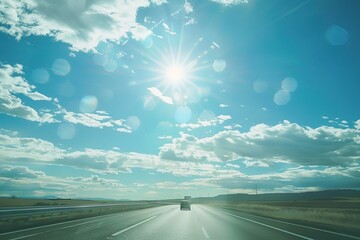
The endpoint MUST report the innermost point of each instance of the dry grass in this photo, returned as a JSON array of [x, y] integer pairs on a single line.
[[37, 219], [21, 202], [343, 214]]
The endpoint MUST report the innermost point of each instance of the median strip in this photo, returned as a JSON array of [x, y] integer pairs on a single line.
[[133, 226]]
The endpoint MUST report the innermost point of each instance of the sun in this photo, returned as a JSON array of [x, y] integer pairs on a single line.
[[175, 74]]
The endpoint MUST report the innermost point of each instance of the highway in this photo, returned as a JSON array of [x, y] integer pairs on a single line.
[[168, 222]]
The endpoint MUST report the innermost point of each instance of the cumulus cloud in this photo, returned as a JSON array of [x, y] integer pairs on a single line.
[[17, 149], [82, 24], [262, 144], [157, 93], [13, 84], [96, 160], [25, 182], [290, 180], [14, 147]]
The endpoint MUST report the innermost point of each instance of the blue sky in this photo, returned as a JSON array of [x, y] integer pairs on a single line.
[[159, 99]]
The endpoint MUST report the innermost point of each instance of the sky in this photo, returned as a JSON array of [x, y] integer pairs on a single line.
[[157, 99]]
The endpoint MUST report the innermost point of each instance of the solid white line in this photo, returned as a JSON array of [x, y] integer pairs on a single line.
[[61, 223], [24, 236], [53, 224], [206, 235], [312, 228], [51, 230], [265, 225], [132, 226]]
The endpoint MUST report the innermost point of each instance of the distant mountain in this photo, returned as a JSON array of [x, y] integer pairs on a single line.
[[304, 196]]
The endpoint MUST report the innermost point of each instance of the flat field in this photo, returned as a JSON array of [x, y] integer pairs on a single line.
[[341, 213]]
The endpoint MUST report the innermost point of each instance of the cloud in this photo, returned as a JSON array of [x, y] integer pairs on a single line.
[[16, 172], [173, 185], [13, 84], [158, 2], [263, 145], [292, 179], [82, 24], [223, 105], [187, 155], [87, 119], [95, 160], [188, 8], [157, 93], [205, 123], [97, 179], [99, 119], [22, 181], [230, 2], [14, 147], [187, 148]]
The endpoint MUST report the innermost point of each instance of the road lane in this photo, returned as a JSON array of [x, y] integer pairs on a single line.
[[168, 222], [202, 223], [99, 227]]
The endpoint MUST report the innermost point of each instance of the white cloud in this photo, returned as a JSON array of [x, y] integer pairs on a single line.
[[157, 93], [87, 119], [230, 2], [14, 147], [82, 24], [158, 2], [188, 8], [24, 182], [17, 172], [165, 137], [357, 124], [13, 84], [205, 123], [232, 165], [223, 105], [334, 150], [264, 145], [173, 185], [99, 119], [96, 160]]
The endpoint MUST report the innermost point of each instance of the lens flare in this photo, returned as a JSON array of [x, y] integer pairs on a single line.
[[175, 74]]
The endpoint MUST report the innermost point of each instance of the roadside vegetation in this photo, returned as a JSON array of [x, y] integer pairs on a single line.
[[330, 214], [10, 222]]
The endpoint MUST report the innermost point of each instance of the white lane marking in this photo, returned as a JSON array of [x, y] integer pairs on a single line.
[[61, 223], [206, 235], [53, 224], [313, 228], [265, 225], [51, 230], [132, 226], [24, 236]]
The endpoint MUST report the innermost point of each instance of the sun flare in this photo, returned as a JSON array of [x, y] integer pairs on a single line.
[[175, 73]]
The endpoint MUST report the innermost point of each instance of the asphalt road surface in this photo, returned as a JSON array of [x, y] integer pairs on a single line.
[[168, 222]]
